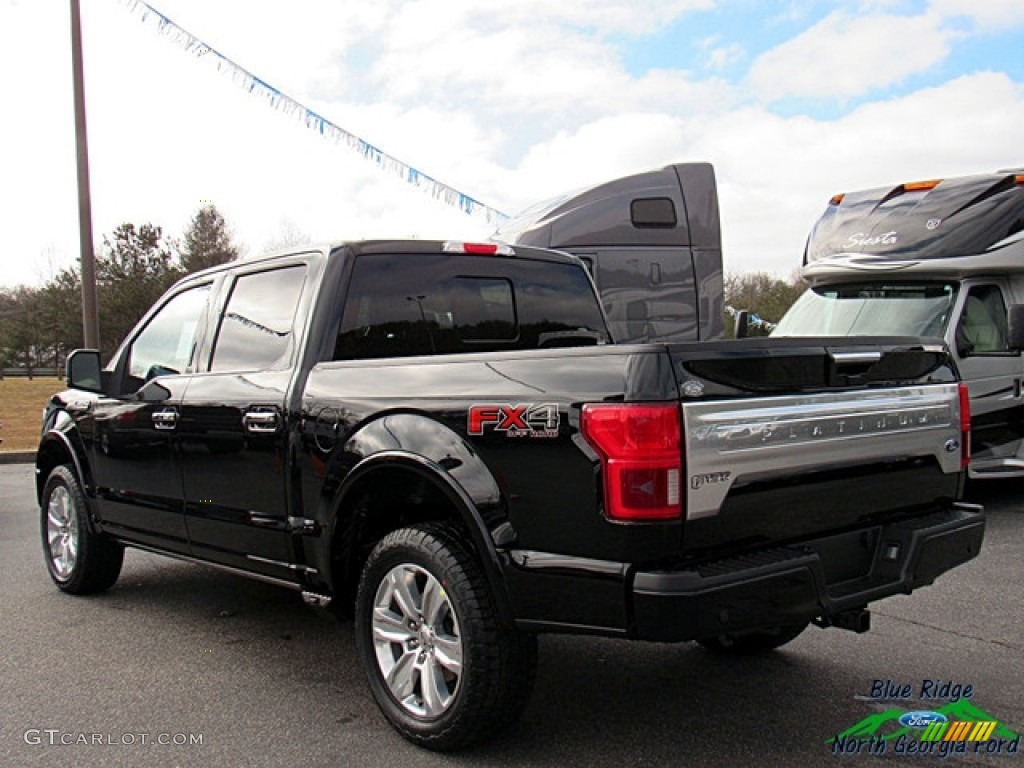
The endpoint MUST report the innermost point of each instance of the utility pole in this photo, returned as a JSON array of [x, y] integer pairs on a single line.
[[90, 315]]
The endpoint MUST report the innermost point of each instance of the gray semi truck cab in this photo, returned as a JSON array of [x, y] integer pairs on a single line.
[[653, 243]]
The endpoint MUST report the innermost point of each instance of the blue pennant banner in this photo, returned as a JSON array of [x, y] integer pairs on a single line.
[[754, 321], [281, 101]]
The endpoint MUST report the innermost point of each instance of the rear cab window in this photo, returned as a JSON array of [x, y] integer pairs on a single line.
[[427, 304]]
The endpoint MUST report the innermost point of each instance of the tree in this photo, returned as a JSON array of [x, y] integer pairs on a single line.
[[22, 337], [762, 294], [135, 267], [61, 315], [9, 314], [207, 241]]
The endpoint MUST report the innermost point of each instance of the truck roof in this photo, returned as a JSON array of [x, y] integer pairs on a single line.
[[356, 247], [934, 219]]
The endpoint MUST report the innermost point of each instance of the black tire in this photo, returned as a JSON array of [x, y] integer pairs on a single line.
[[79, 561], [750, 643], [406, 627]]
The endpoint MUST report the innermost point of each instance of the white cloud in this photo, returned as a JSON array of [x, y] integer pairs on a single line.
[[725, 56], [518, 57], [987, 15], [846, 55], [597, 151], [603, 17]]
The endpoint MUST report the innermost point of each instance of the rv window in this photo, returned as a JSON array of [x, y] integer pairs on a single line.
[[983, 326], [871, 309]]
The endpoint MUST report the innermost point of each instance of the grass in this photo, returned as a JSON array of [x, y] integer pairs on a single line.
[[21, 410]]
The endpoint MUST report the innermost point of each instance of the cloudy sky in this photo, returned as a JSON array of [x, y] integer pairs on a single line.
[[509, 101]]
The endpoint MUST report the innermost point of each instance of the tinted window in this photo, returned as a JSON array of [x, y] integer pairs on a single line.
[[166, 345], [653, 212], [422, 304], [257, 330]]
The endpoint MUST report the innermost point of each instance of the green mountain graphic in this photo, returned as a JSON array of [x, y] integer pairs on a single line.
[[876, 725]]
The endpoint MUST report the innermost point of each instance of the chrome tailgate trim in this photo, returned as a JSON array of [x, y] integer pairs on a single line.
[[734, 442]]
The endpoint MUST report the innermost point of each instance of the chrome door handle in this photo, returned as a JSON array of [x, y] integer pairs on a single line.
[[261, 422], [165, 419]]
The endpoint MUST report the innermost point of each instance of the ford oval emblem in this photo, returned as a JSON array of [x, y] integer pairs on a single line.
[[952, 446], [922, 718], [692, 388]]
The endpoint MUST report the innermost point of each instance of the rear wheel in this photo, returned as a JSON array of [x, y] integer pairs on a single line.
[[79, 560], [441, 668], [753, 642]]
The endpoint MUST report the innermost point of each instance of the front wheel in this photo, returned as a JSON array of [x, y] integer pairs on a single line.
[[748, 643], [79, 561], [441, 668]]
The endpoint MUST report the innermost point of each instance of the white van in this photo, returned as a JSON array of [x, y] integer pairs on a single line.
[[940, 258]]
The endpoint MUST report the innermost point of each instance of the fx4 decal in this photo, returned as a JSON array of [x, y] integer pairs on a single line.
[[522, 420]]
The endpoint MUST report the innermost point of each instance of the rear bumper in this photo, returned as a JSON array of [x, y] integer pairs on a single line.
[[792, 585]]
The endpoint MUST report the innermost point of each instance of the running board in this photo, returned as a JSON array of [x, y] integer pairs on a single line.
[[219, 566]]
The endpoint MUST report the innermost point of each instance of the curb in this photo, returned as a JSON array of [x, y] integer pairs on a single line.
[[17, 457]]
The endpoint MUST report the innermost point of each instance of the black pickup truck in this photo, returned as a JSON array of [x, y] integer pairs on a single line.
[[441, 438]]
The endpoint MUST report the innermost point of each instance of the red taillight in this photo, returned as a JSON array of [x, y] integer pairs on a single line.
[[965, 426], [641, 459], [481, 249], [478, 249]]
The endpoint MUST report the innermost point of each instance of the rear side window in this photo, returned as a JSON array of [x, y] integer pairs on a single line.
[[424, 304], [257, 329]]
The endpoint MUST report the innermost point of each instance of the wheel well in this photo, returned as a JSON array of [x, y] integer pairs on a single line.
[[51, 454], [385, 500]]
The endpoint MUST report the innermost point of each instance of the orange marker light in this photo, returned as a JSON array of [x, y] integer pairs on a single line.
[[921, 186]]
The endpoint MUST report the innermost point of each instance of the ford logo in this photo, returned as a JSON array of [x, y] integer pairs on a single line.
[[921, 719]]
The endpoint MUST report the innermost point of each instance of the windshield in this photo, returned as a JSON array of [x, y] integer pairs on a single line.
[[871, 309]]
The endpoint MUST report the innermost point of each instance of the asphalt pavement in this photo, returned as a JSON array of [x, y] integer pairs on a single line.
[[182, 665]]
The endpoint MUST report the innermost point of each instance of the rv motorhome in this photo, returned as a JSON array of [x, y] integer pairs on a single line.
[[940, 258]]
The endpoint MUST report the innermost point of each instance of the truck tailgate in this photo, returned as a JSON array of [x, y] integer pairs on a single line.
[[772, 468]]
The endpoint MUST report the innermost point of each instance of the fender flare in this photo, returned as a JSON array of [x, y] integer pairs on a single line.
[[55, 439], [481, 538]]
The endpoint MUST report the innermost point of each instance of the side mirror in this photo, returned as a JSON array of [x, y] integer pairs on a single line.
[[742, 324], [1015, 327], [83, 370]]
